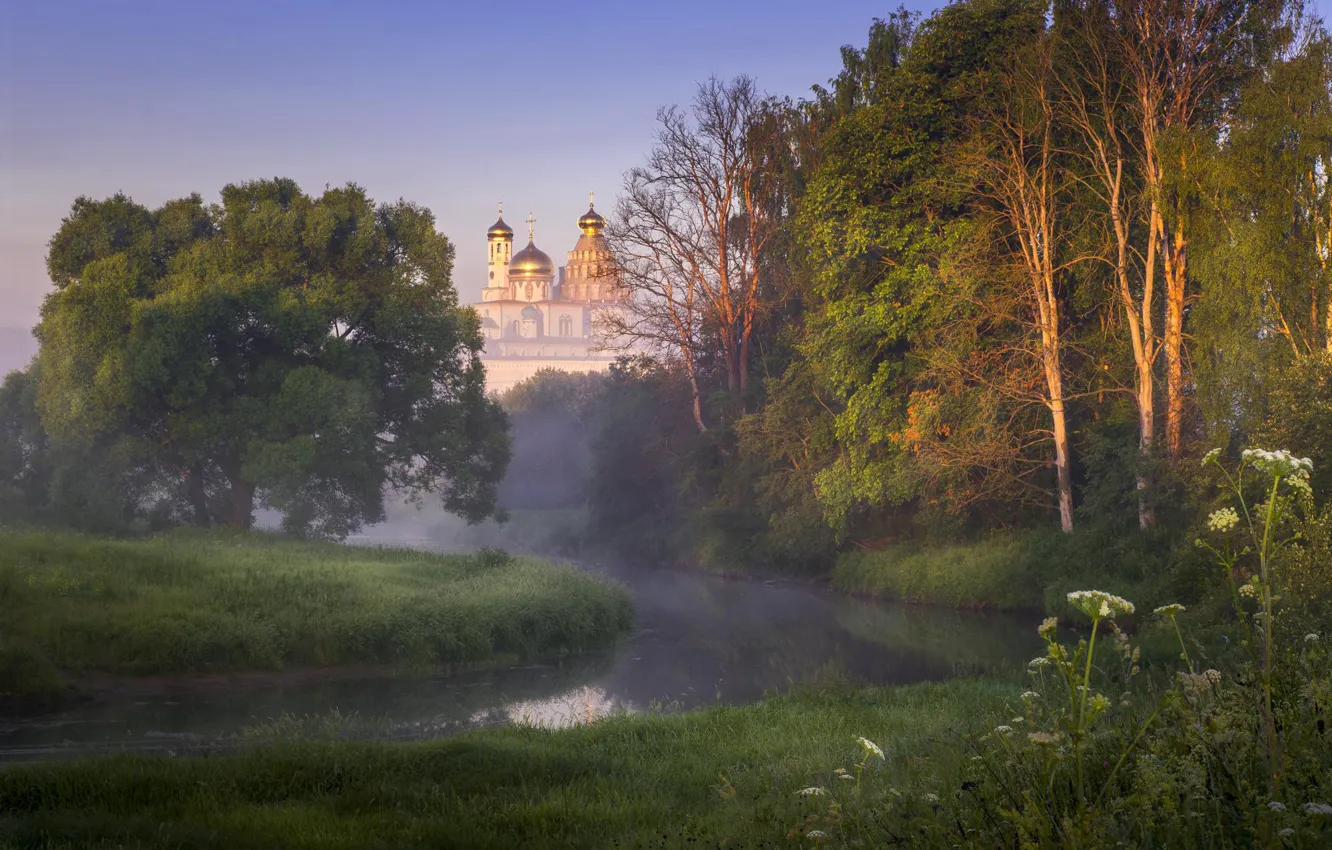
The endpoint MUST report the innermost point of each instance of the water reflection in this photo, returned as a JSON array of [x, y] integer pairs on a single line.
[[698, 641]]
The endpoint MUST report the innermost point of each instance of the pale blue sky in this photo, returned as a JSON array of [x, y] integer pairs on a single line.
[[452, 105]]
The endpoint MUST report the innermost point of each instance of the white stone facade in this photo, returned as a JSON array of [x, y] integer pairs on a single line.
[[535, 316]]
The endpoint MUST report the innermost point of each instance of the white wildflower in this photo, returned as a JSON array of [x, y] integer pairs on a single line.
[[1223, 520], [1037, 663], [1047, 626], [1211, 456], [847, 777], [1017, 720], [870, 747], [1004, 730], [1276, 806], [1311, 637], [1278, 464], [1286, 832], [931, 798], [841, 771], [1030, 695], [816, 834], [1249, 589], [1098, 604], [812, 791], [1043, 737], [1317, 809], [1170, 610]]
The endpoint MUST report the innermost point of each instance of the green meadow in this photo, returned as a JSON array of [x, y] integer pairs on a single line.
[[191, 602]]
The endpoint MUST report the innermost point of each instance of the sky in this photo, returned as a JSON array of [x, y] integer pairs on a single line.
[[452, 105]]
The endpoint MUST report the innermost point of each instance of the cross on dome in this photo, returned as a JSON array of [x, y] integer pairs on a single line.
[[531, 220]]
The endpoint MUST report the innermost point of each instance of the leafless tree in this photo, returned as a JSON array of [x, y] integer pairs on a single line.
[[1023, 188], [691, 229]]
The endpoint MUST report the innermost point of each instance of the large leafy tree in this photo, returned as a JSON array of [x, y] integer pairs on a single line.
[[301, 353]]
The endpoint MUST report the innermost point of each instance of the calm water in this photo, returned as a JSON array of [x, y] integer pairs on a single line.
[[698, 641]]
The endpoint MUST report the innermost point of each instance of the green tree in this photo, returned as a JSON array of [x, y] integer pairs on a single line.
[[305, 353]]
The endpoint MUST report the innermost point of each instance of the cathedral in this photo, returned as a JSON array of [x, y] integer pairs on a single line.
[[535, 316]]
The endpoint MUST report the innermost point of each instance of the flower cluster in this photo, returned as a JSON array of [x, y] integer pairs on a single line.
[[1223, 520], [1098, 604], [1171, 610], [870, 747], [1278, 464]]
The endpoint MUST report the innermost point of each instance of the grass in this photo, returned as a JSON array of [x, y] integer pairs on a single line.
[[992, 573], [686, 780], [1031, 571], [189, 602]]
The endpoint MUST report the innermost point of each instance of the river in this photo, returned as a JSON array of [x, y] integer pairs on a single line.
[[698, 641]]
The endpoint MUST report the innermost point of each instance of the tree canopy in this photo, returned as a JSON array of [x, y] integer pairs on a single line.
[[294, 352]]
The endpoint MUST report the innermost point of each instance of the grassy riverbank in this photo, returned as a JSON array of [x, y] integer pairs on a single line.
[[1014, 572], [188, 602], [647, 781]]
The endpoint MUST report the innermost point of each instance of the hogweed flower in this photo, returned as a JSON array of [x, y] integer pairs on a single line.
[[1004, 730], [812, 791], [816, 834], [1223, 520], [1311, 637], [1098, 604], [1047, 627], [871, 748], [1317, 809], [1211, 456], [1171, 610], [1030, 695], [1038, 663], [1278, 464], [1248, 589], [1276, 806], [932, 798], [1043, 738]]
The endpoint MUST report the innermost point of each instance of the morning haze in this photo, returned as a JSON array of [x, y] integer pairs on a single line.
[[666, 425]]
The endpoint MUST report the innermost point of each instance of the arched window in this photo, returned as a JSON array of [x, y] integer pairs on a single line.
[[566, 326], [529, 292]]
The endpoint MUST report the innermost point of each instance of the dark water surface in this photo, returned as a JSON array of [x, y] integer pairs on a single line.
[[698, 641]]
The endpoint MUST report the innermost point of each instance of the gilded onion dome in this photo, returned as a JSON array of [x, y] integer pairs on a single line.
[[531, 262], [592, 222], [500, 230]]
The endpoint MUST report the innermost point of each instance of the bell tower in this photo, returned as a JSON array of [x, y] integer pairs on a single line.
[[499, 239]]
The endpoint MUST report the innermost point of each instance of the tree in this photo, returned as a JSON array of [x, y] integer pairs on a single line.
[[692, 228], [303, 352], [1021, 183]]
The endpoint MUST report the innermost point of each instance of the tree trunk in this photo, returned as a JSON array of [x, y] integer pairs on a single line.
[[241, 509], [1054, 380], [1173, 342], [697, 400], [194, 486], [1140, 337]]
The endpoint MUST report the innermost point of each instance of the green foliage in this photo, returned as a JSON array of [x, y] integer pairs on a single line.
[[304, 352], [190, 601], [998, 572]]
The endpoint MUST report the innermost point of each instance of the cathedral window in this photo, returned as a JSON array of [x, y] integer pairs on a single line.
[[566, 326]]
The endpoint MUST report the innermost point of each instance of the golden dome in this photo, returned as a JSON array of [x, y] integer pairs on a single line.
[[592, 222], [531, 262], [500, 230]]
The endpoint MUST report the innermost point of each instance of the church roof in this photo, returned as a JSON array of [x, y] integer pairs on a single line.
[[500, 230], [531, 262]]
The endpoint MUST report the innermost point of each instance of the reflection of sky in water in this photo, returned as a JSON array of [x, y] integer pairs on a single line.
[[698, 641]]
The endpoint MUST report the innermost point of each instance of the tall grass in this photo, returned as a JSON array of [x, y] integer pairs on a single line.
[[692, 780], [189, 602]]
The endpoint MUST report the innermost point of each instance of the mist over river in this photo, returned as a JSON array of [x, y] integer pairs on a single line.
[[698, 640]]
